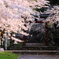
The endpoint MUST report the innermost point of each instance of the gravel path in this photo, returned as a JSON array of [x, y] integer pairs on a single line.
[[38, 57]]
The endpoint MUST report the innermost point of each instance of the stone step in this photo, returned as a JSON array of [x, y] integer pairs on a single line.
[[27, 46], [35, 51], [34, 48], [34, 44], [38, 48]]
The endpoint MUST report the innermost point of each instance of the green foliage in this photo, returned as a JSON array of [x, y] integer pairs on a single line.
[[30, 6], [19, 44], [8, 55], [41, 9], [54, 35]]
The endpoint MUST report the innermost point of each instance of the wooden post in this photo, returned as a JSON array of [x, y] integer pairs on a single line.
[[24, 38], [1, 36], [46, 30]]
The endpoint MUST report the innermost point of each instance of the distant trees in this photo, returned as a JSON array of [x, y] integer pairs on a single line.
[[54, 2]]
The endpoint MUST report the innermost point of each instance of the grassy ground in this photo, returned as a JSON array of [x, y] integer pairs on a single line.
[[8, 55]]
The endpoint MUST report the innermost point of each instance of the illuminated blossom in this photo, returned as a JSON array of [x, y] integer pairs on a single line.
[[14, 12]]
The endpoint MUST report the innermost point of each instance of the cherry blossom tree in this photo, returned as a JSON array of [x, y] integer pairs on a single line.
[[54, 13], [14, 14]]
